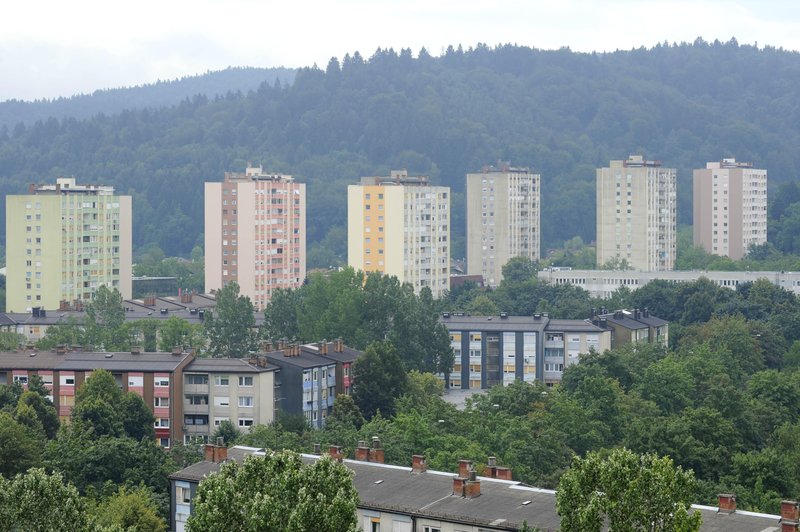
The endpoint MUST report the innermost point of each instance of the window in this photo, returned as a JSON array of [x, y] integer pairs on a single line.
[[196, 379], [161, 382], [195, 419], [135, 381], [66, 400], [432, 529], [245, 422], [245, 381], [21, 379], [67, 380], [222, 401], [221, 380], [161, 401], [164, 442], [246, 401], [162, 422], [218, 420]]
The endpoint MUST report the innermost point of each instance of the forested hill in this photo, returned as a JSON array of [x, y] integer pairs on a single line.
[[154, 95], [560, 112]]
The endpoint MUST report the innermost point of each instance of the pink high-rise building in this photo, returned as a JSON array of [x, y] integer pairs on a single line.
[[255, 233]]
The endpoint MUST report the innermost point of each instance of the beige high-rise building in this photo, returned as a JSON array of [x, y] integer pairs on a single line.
[[503, 212], [400, 225], [63, 242], [255, 233], [636, 214], [730, 207]]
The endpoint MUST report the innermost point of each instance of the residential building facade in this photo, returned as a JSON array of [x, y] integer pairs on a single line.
[[226, 389], [400, 225], [491, 350], [63, 242], [255, 233], [503, 213], [730, 208], [157, 377], [636, 214]]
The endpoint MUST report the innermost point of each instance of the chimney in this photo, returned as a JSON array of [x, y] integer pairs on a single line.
[[287, 350], [472, 488], [335, 452], [458, 486], [464, 467], [362, 451], [376, 453], [61, 349], [338, 345], [790, 516], [177, 350], [503, 473], [418, 464], [727, 503], [136, 349], [491, 467], [317, 448], [323, 347], [216, 453]]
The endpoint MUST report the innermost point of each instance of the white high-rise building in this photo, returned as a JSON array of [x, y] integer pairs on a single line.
[[400, 225], [503, 212], [730, 207], [636, 214]]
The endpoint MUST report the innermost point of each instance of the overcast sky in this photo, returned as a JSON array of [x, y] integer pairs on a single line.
[[52, 48]]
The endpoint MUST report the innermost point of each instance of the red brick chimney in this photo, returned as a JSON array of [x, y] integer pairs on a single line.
[[727, 503], [216, 453], [323, 347], [418, 464], [335, 452], [376, 453], [790, 516], [338, 345], [362, 451], [458, 486], [472, 488], [177, 350], [464, 467], [503, 473], [491, 467]]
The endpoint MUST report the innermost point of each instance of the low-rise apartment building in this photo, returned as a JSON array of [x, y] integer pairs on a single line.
[[603, 283], [415, 499], [492, 350], [226, 389], [157, 377]]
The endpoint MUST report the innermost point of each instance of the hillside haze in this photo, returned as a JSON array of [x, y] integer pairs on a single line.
[[559, 112]]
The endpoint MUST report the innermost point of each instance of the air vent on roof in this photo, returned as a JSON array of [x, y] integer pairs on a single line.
[[379, 482], [525, 503], [109, 355], [32, 355], [163, 311]]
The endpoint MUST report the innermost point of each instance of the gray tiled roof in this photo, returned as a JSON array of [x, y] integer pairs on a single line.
[[227, 365], [501, 504], [87, 361]]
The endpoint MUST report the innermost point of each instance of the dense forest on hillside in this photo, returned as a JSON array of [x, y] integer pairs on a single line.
[[153, 95], [559, 112]]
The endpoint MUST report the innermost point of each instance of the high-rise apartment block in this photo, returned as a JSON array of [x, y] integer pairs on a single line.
[[400, 225], [636, 215], [63, 242], [502, 219], [255, 233], [730, 207]]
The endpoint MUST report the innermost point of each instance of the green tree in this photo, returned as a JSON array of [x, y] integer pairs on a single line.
[[378, 380], [228, 432], [137, 419], [231, 326], [131, 510], [10, 341], [44, 410], [280, 316], [175, 331], [40, 502], [276, 492], [20, 447], [346, 412], [631, 491], [105, 326]]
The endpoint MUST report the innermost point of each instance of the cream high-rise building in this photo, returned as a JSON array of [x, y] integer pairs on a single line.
[[730, 207], [502, 219], [63, 242], [400, 225], [636, 216], [255, 233]]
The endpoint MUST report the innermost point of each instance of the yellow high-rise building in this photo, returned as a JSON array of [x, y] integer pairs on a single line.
[[63, 242], [400, 225]]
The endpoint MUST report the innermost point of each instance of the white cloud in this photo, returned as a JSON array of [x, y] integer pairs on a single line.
[[50, 48]]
